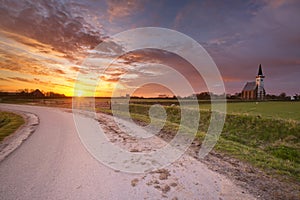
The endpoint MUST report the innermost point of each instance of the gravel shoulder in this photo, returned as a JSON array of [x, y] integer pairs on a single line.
[[255, 181], [186, 178]]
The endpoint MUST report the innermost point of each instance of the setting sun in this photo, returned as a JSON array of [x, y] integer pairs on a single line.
[[79, 94]]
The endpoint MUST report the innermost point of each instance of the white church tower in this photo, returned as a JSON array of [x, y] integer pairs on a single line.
[[260, 84]]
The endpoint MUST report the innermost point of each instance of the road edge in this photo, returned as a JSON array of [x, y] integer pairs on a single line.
[[14, 140]]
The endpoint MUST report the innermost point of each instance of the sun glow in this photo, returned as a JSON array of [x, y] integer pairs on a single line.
[[79, 93]]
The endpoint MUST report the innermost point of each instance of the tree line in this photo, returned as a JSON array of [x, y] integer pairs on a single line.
[[31, 93]]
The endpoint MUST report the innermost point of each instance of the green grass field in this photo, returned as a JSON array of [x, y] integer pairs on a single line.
[[288, 110], [9, 123]]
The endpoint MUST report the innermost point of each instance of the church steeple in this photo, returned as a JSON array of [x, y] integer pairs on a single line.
[[260, 90], [260, 73]]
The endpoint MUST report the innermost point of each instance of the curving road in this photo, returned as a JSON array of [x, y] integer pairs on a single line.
[[53, 164]]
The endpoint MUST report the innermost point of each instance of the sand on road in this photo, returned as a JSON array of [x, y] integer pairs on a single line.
[[54, 164]]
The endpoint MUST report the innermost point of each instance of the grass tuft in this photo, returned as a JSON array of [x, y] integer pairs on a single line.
[[9, 123]]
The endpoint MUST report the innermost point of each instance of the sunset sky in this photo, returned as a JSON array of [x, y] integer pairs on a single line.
[[44, 43]]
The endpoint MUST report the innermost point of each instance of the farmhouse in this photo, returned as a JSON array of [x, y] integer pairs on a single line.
[[37, 93], [255, 90]]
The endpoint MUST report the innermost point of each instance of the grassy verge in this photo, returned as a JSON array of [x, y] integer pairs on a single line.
[[272, 145], [9, 123]]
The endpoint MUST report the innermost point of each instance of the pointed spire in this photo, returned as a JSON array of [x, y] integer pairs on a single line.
[[260, 71]]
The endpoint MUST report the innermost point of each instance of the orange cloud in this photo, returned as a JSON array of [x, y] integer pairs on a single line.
[[20, 79], [59, 71], [123, 8]]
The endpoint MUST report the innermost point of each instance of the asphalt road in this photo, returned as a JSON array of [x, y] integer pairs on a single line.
[[53, 164]]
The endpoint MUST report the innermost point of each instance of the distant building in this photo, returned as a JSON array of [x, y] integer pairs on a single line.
[[255, 90], [162, 96], [54, 95], [37, 93]]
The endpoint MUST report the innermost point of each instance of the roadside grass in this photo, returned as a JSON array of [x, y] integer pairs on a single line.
[[9, 123], [269, 144]]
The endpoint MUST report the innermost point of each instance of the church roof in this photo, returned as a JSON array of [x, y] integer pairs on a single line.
[[250, 86]]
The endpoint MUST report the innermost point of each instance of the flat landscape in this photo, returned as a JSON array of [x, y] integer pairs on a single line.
[[253, 131], [142, 85], [262, 135]]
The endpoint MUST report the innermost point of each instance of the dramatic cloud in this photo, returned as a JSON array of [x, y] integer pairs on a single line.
[[45, 42], [44, 39], [50, 22]]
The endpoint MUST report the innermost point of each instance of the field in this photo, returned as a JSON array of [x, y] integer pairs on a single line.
[[9, 122], [288, 110], [273, 110], [264, 134]]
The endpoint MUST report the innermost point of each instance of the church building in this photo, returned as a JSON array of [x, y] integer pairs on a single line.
[[255, 90]]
